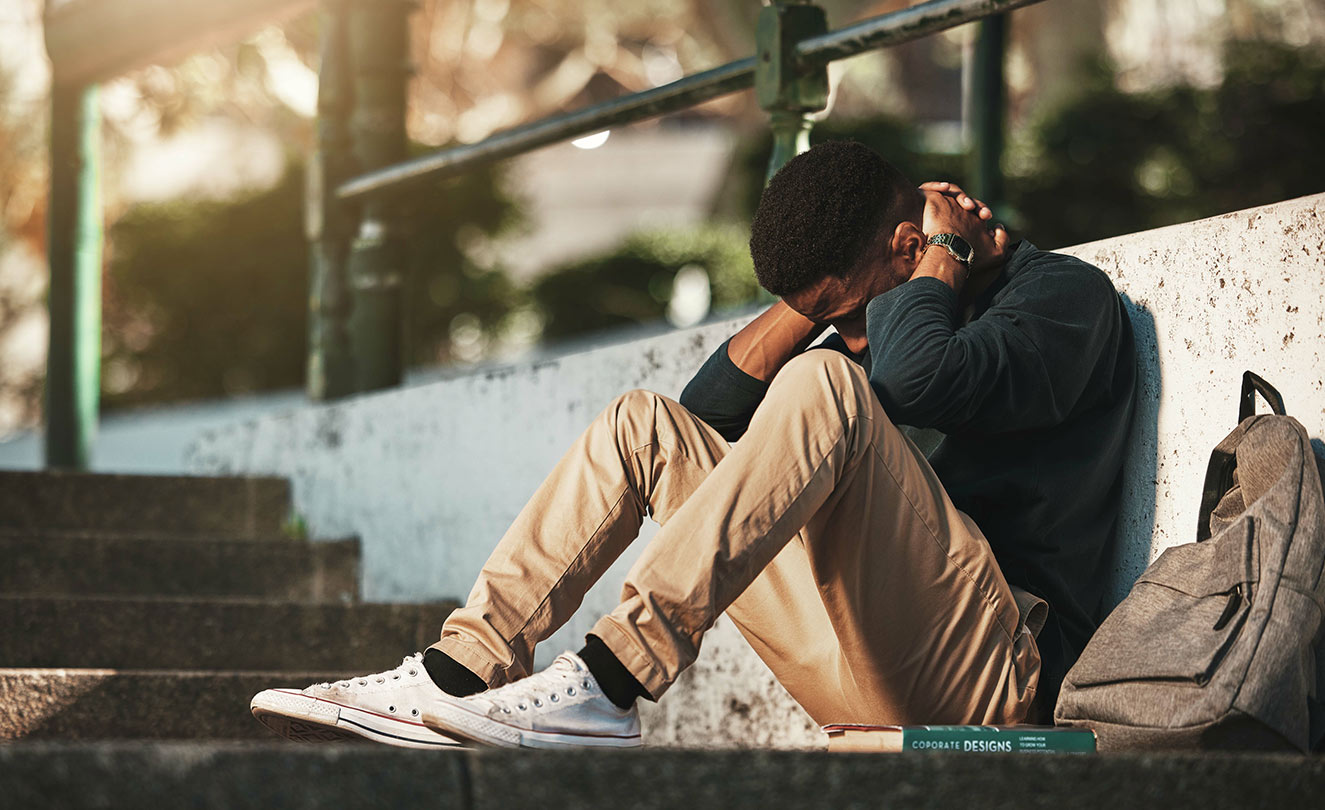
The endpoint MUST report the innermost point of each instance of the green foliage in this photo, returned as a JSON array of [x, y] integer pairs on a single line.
[[207, 298], [633, 283], [1262, 130], [1084, 180], [1108, 163], [1104, 163], [295, 527], [449, 227], [210, 298]]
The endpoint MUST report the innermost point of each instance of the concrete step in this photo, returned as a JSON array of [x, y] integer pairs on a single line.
[[144, 504], [347, 777], [215, 634], [100, 564], [94, 704]]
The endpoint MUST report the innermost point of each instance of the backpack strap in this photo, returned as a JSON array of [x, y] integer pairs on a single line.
[[1251, 384], [1316, 716], [1219, 473]]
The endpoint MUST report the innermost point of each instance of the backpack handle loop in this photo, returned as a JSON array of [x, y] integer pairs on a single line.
[[1219, 472], [1253, 384]]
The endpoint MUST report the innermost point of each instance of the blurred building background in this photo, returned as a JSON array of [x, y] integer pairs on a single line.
[[1123, 115]]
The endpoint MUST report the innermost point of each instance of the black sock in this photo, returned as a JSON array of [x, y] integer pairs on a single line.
[[450, 676], [616, 681]]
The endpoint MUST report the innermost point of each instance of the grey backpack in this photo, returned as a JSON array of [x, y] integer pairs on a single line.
[[1219, 643]]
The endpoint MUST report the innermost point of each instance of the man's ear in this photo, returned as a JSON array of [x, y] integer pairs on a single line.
[[907, 245]]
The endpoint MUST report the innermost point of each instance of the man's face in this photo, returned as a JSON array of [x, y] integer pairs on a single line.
[[841, 302]]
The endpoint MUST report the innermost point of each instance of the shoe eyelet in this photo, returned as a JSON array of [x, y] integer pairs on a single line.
[[538, 704], [505, 709], [553, 697], [414, 712], [391, 709], [381, 680], [522, 707], [587, 686], [570, 690], [395, 677], [413, 672]]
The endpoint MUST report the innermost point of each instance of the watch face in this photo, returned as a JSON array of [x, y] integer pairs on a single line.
[[963, 247]]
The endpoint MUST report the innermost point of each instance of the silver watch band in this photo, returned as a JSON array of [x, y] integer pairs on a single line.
[[956, 246]]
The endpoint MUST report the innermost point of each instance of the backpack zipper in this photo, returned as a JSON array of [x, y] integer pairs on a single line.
[[1231, 607]]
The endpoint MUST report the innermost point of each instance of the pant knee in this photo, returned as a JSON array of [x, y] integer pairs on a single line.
[[637, 401], [634, 413], [820, 374]]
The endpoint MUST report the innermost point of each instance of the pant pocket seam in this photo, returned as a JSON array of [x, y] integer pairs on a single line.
[[933, 536]]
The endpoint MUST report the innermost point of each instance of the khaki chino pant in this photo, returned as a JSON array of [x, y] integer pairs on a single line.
[[823, 533]]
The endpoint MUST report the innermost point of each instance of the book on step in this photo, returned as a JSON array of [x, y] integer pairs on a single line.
[[967, 739]]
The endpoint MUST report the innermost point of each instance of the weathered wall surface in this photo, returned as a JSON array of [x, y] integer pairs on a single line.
[[1209, 300], [429, 477]]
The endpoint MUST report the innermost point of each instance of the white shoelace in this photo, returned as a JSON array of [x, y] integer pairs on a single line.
[[537, 691], [410, 666]]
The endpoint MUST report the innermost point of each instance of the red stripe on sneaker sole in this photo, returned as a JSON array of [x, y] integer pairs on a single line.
[[388, 717]]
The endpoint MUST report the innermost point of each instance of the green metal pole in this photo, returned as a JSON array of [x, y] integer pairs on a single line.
[[791, 136], [987, 109], [379, 47], [789, 91], [330, 225], [73, 365]]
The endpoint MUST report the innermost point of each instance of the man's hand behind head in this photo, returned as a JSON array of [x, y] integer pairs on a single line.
[[948, 209], [965, 200]]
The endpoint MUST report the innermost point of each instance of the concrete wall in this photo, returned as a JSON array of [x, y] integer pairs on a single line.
[[1209, 300], [150, 440], [430, 477]]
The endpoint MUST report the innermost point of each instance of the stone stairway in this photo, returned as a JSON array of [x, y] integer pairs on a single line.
[[145, 607], [139, 614]]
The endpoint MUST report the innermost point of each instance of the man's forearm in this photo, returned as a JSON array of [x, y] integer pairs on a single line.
[[769, 341], [938, 263]]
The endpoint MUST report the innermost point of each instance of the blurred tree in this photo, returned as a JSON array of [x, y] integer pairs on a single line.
[[1108, 163], [1259, 140], [22, 232], [1082, 176], [209, 298], [484, 65], [206, 298], [455, 285], [1103, 163], [633, 284]]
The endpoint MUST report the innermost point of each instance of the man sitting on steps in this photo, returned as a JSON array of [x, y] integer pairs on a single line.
[[878, 586]]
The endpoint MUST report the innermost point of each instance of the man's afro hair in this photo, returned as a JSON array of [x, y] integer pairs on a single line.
[[820, 212]]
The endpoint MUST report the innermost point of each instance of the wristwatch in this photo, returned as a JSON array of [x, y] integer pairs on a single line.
[[960, 249]]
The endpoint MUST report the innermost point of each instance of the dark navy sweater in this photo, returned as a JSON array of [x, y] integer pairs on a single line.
[[1034, 395]]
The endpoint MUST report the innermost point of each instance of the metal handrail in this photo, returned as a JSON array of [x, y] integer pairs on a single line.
[[677, 95], [877, 32], [899, 26]]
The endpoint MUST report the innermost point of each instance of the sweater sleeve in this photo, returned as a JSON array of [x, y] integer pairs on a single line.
[[1023, 364], [722, 395]]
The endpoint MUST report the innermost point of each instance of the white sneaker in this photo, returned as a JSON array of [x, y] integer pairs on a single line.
[[562, 706], [385, 707]]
